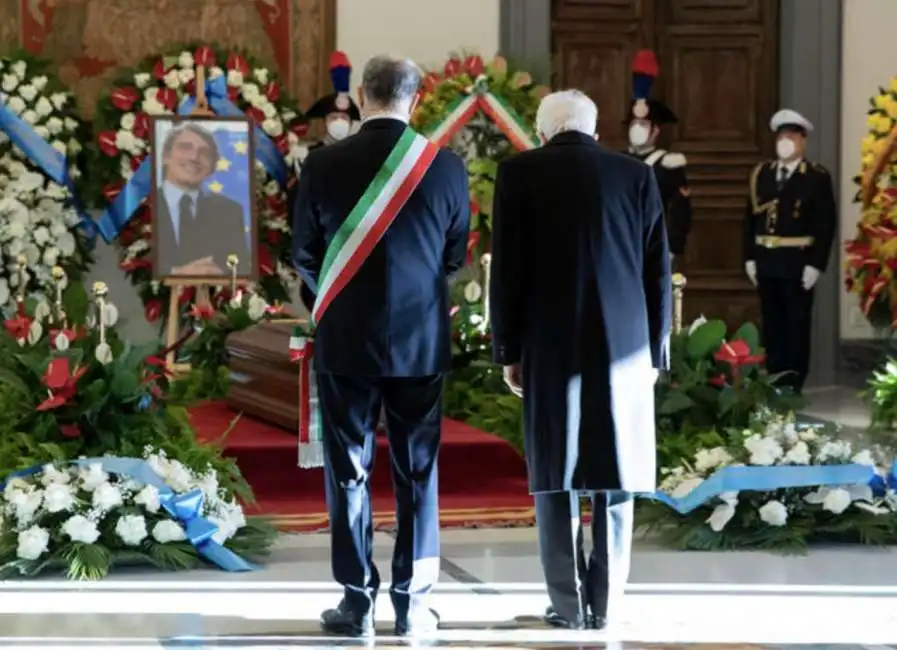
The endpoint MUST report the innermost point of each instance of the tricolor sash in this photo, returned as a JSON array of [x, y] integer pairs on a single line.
[[354, 241], [375, 211]]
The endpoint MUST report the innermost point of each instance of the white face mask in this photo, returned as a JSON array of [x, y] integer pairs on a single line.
[[338, 129], [639, 135], [785, 148]]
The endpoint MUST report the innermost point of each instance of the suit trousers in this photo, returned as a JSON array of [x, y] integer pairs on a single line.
[[787, 312], [576, 584], [350, 410]]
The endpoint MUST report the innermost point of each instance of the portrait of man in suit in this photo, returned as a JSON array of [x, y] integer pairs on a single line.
[[203, 198]]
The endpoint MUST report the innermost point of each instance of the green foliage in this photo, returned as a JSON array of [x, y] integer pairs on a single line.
[[483, 145], [706, 390], [119, 408], [881, 397]]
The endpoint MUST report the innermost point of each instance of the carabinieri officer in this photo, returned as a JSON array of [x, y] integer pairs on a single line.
[[789, 227]]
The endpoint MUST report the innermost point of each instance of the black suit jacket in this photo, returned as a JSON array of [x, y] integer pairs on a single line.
[[217, 230], [392, 319]]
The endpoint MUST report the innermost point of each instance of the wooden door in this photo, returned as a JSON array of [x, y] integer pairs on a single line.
[[719, 74]]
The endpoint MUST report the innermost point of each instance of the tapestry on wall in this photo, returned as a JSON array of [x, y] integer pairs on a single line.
[[89, 39]]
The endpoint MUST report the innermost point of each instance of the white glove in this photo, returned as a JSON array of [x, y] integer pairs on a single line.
[[751, 269], [810, 277]]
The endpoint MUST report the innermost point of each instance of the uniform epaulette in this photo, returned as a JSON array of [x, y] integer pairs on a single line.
[[674, 161], [820, 168]]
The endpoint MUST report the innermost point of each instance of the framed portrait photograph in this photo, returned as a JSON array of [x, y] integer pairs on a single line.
[[203, 199]]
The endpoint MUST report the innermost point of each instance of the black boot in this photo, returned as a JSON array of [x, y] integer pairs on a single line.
[[342, 621]]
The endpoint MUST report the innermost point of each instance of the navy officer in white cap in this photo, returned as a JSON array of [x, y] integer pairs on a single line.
[[789, 227]]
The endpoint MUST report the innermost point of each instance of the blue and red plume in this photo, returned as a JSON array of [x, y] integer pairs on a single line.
[[644, 72], [340, 72]]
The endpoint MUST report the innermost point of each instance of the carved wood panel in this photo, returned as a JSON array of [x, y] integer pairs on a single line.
[[719, 74]]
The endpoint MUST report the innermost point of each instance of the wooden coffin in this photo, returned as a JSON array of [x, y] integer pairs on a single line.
[[264, 383]]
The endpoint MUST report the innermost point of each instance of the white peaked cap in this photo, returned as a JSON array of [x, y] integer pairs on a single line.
[[787, 117]]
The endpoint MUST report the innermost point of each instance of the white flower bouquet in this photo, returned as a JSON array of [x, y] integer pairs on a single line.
[[80, 519], [786, 519], [37, 220]]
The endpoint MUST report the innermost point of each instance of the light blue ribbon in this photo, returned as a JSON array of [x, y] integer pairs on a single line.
[[186, 508], [49, 159], [123, 207], [767, 479]]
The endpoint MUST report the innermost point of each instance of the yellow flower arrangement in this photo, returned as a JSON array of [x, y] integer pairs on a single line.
[[871, 264]]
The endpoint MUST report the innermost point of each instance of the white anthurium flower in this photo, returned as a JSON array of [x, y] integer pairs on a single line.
[[700, 320], [234, 78], [43, 132], [59, 100], [31, 117], [10, 83], [860, 492], [103, 353], [44, 107], [55, 125], [270, 111], [261, 75], [472, 292], [864, 457], [172, 80], [20, 68], [110, 312], [799, 454], [40, 82], [685, 487], [186, 76], [272, 127], [142, 79], [872, 509], [185, 60], [127, 121], [721, 515]]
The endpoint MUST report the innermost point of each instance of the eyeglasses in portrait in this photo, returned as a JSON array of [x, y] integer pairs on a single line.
[[203, 200]]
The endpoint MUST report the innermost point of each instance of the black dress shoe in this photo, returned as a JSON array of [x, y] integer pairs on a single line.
[[341, 621], [418, 624], [597, 622], [554, 619]]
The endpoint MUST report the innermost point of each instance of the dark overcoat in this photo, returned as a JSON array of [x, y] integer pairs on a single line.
[[581, 295]]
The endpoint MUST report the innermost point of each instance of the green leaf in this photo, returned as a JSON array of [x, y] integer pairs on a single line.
[[706, 339], [76, 302], [750, 335], [125, 384], [675, 402]]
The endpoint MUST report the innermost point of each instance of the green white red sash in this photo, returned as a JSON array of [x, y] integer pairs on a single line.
[[356, 238], [371, 217]]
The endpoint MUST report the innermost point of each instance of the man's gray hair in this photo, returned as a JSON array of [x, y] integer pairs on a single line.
[[389, 81], [567, 110]]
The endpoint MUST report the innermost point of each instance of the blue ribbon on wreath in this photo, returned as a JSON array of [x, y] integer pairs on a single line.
[[768, 479], [49, 159], [185, 508], [123, 207]]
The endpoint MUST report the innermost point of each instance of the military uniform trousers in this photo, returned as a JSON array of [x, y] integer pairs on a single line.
[[787, 311]]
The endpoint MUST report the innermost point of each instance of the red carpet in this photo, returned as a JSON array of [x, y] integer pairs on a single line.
[[482, 480]]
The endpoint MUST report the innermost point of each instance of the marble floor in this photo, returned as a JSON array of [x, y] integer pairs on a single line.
[[490, 595]]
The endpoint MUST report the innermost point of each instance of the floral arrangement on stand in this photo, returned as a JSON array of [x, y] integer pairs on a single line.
[[74, 390], [157, 87], [715, 383], [39, 219], [786, 519], [206, 351], [486, 112], [872, 252]]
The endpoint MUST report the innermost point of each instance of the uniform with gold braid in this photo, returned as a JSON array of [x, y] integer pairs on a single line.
[[789, 226]]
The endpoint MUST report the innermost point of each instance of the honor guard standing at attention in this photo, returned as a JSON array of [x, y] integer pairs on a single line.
[[338, 110], [789, 228], [646, 117]]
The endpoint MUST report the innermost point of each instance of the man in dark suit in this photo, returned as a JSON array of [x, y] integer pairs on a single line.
[[789, 227], [196, 229], [581, 317], [385, 340]]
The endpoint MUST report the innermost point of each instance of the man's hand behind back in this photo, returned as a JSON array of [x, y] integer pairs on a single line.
[[513, 376]]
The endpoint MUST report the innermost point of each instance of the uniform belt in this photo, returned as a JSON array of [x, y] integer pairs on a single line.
[[772, 241]]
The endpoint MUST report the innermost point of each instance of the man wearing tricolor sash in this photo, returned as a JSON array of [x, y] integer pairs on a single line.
[[379, 224]]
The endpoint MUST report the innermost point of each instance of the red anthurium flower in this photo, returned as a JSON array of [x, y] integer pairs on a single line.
[[204, 56], [238, 63], [719, 381], [18, 327], [474, 65], [430, 82], [152, 310], [68, 334], [124, 98], [452, 68], [472, 240], [141, 125], [255, 114], [61, 381], [106, 143], [159, 69], [274, 310], [272, 91], [300, 129], [112, 190], [70, 430], [737, 354], [454, 310], [202, 312], [168, 97]]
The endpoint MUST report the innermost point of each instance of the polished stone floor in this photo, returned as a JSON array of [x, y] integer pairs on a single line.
[[490, 595]]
